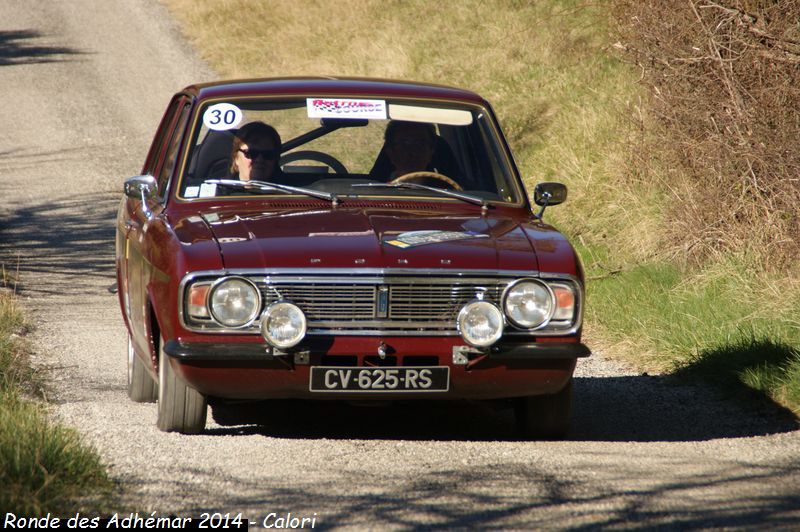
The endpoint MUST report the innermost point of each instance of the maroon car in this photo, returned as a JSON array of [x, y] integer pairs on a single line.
[[354, 239]]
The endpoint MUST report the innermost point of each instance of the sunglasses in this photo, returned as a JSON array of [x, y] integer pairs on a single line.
[[253, 153]]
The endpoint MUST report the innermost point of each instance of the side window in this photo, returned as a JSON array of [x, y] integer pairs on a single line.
[[157, 147], [168, 165]]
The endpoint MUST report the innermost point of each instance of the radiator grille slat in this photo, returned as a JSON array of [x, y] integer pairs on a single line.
[[340, 305]]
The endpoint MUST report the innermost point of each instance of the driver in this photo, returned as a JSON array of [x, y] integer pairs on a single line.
[[255, 152], [409, 147]]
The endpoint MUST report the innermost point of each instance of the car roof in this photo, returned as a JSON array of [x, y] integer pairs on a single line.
[[330, 86]]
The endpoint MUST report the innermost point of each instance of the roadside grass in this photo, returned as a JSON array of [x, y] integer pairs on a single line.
[[44, 467], [572, 112], [722, 325]]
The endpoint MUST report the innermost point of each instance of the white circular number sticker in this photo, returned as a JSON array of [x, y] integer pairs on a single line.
[[222, 116]]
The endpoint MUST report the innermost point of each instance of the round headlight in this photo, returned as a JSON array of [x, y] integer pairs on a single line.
[[529, 303], [283, 324], [234, 302], [480, 323]]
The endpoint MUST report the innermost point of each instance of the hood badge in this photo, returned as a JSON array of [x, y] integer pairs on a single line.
[[411, 239]]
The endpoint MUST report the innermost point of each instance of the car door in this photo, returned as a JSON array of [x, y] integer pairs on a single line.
[[161, 165]]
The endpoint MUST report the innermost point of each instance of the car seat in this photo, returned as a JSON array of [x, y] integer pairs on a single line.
[[212, 158]]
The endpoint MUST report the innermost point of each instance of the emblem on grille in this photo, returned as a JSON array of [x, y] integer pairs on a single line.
[[382, 302]]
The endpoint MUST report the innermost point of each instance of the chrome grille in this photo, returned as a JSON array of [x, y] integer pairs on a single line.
[[434, 302], [377, 302], [325, 301], [351, 305]]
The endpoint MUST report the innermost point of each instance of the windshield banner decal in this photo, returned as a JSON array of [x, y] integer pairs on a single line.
[[346, 108], [419, 238]]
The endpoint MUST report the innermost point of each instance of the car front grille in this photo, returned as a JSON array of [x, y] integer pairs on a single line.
[[376, 301], [380, 304]]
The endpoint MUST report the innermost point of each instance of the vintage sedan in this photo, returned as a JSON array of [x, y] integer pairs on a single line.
[[349, 239]]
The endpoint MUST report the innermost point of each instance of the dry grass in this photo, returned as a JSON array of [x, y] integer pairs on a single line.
[[44, 467], [723, 127]]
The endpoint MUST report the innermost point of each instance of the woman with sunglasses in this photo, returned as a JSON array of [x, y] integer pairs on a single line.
[[255, 152]]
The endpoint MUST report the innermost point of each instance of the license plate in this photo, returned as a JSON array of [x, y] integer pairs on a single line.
[[380, 380]]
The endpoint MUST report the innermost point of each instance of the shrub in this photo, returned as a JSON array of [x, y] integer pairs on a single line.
[[723, 120]]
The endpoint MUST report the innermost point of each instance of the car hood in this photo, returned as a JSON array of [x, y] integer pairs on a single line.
[[377, 238]]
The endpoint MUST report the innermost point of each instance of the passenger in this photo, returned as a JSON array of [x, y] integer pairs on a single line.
[[255, 152]]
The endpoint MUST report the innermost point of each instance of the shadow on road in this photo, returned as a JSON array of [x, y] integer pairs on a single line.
[[19, 47], [606, 409], [71, 240], [519, 494]]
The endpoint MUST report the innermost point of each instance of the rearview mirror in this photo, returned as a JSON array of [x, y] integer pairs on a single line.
[[549, 193]]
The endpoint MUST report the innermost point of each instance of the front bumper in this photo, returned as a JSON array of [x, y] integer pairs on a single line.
[[186, 351], [249, 370]]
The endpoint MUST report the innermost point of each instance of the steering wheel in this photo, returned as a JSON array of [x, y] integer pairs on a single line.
[[425, 174], [311, 155]]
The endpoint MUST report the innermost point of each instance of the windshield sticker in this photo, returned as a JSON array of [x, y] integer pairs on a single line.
[[191, 192], [419, 238], [222, 117], [208, 190], [345, 108]]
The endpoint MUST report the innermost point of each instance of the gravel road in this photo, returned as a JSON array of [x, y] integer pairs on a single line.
[[84, 84]]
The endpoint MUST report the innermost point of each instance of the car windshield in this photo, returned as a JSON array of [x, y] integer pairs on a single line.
[[348, 148]]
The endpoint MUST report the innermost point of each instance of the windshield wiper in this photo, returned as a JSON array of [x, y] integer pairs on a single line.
[[475, 200], [266, 185]]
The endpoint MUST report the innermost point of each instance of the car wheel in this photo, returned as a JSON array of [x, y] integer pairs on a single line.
[[142, 387], [545, 416], [181, 408]]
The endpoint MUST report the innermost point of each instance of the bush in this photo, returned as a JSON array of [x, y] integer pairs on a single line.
[[723, 120]]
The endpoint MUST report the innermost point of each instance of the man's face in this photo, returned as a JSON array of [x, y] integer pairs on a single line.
[[410, 150]]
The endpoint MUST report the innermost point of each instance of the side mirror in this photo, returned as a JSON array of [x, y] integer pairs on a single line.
[[141, 187], [549, 193]]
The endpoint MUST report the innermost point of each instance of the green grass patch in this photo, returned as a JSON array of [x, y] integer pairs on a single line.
[[15, 372], [44, 467], [722, 325], [760, 365]]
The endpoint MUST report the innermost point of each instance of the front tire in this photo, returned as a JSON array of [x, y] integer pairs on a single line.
[[181, 408], [142, 388], [545, 417]]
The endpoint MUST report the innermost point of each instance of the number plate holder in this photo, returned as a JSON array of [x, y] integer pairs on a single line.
[[384, 379]]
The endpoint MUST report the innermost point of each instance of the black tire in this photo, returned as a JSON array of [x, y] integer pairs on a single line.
[[181, 408], [545, 417], [142, 388]]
